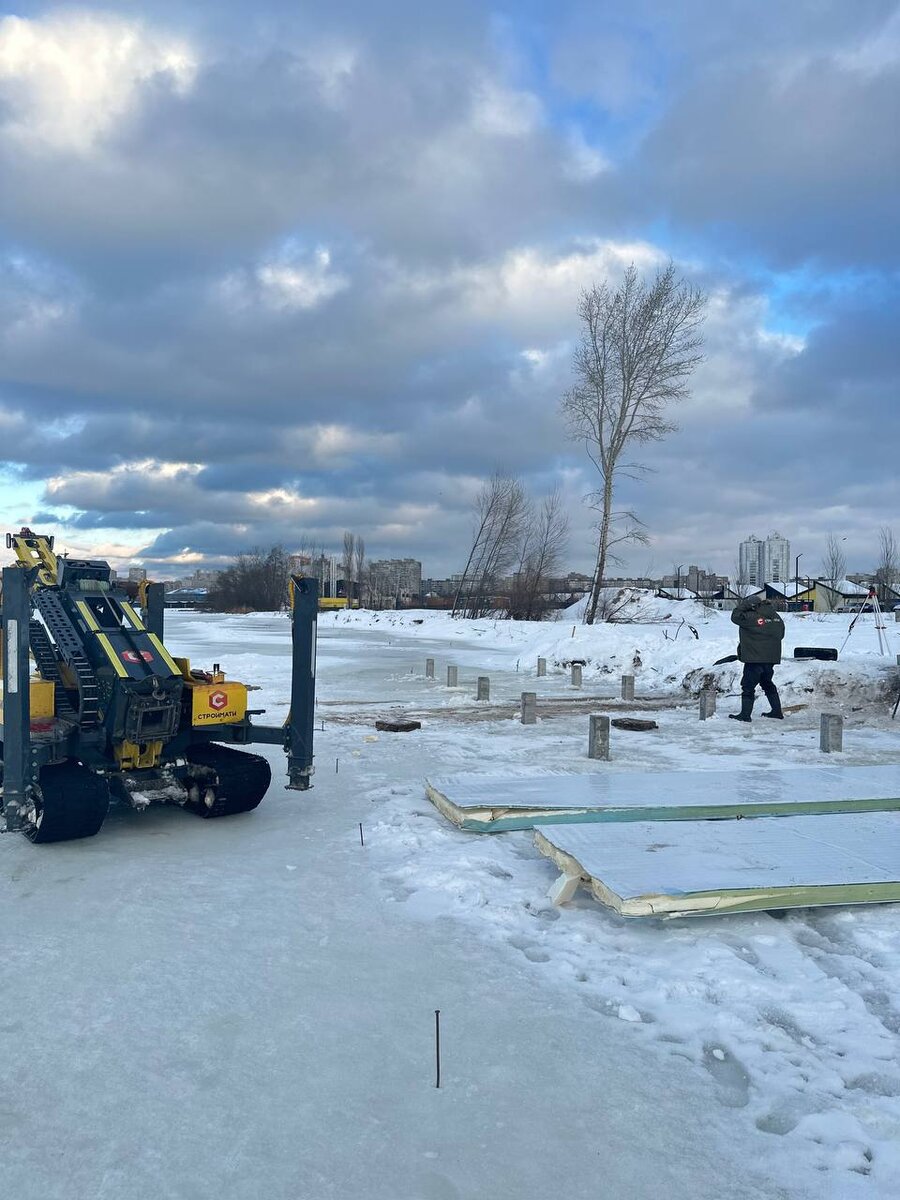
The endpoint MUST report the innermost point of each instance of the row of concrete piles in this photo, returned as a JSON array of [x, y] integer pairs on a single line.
[[831, 726], [484, 683]]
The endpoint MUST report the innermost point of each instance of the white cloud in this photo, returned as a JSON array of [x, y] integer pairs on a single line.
[[33, 300], [330, 443], [333, 66], [289, 283], [34, 317], [531, 291], [527, 279], [291, 286], [583, 161], [876, 53], [154, 475], [68, 79], [532, 294], [503, 112], [281, 503], [740, 351]]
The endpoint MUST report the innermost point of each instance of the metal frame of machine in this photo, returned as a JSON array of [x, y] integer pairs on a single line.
[[110, 712]]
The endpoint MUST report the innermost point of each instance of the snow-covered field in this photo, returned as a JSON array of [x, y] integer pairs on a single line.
[[244, 1009]]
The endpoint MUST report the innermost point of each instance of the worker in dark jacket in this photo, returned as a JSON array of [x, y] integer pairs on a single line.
[[759, 649]]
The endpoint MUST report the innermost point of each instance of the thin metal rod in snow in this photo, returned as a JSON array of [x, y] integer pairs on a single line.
[[437, 1047], [362, 840]]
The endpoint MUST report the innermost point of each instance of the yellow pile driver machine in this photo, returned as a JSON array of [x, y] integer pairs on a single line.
[[95, 708]]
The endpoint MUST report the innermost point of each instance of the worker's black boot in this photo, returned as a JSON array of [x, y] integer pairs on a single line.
[[746, 709], [774, 700]]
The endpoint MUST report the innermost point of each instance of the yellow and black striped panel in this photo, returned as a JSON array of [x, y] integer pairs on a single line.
[[133, 654], [131, 615]]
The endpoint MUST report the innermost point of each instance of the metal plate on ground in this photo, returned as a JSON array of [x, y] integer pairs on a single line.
[[493, 803], [645, 868]]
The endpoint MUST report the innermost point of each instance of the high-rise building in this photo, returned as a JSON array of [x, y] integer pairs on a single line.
[[764, 562], [397, 579], [776, 559], [749, 565]]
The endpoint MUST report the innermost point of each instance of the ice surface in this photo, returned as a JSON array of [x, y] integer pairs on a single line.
[[243, 1009]]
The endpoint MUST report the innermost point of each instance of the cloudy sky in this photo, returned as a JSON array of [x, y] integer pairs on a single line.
[[273, 271]]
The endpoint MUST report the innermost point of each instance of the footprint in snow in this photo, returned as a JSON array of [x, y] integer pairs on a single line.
[[531, 951], [784, 1117], [398, 890], [875, 1084], [779, 1019], [731, 1080]]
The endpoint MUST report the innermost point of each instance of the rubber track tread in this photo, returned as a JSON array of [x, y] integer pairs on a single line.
[[243, 780], [74, 803]]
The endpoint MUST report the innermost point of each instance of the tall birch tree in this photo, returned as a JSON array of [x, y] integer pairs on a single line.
[[640, 343]]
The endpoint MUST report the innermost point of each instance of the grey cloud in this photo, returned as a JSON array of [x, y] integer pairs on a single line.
[[398, 155], [797, 161], [815, 451], [851, 366], [134, 325]]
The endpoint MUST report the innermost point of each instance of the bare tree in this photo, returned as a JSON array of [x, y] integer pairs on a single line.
[[485, 503], [639, 346], [501, 509], [888, 570], [834, 568], [347, 558], [834, 565], [543, 544], [257, 580], [359, 569], [741, 576]]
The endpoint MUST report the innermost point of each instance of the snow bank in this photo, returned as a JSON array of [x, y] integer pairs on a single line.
[[669, 646]]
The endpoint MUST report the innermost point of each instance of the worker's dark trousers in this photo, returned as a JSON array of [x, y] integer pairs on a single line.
[[758, 675]]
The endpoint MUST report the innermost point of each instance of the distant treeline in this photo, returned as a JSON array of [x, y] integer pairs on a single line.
[[257, 581]]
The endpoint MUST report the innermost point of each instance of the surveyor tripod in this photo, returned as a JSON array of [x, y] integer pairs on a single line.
[[884, 646], [870, 604]]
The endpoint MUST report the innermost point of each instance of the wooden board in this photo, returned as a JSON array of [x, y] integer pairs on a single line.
[[686, 868], [493, 803]]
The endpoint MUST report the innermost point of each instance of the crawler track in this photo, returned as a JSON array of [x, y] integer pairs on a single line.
[[72, 802], [228, 781]]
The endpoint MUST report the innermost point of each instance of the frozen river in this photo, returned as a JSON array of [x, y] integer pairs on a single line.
[[244, 1009]]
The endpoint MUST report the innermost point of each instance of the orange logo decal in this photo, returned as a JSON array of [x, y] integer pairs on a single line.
[[218, 700]]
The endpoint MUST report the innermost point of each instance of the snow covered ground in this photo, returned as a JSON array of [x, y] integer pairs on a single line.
[[244, 1009]]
